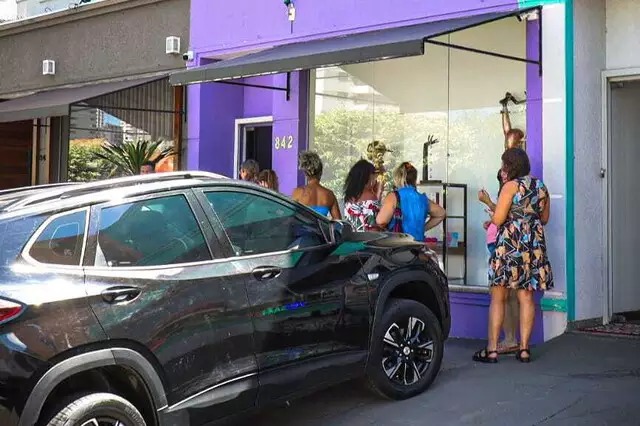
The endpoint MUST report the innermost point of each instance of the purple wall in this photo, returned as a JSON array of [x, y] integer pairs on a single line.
[[214, 107], [470, 314], [534, 101], [222, 27]]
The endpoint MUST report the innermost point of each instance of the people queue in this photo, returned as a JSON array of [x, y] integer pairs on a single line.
[[518, 261]]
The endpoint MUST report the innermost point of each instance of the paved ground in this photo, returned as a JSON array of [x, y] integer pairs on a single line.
[[576, 379]]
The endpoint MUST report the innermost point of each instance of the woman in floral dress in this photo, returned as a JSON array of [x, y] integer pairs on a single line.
[[520, 260], [362, 194]]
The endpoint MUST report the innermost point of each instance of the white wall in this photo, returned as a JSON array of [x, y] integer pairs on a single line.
[[589, 52], [554, 154], [623, 32], [607, 36]]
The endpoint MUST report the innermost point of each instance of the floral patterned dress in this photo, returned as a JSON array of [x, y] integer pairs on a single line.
[[520, 260], [362, 215]]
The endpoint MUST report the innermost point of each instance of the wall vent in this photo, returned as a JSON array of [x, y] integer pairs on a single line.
[[172, 45], [48, 67]]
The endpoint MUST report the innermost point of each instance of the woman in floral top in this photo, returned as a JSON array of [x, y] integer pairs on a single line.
[[362, 196]]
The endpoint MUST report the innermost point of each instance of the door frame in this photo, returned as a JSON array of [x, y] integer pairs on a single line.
[[608, 77], [240, 137]]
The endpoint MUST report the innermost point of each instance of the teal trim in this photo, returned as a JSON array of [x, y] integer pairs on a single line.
[[348, 248], [553, 305], [569, 150], [522, 4]]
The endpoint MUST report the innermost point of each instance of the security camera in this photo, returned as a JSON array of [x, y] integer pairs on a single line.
[[188, 56]]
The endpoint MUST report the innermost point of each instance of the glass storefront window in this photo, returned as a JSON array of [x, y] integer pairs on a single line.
[[447, 94], [139, 114]]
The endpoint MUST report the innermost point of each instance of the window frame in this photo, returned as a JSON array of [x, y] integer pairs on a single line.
[[221, 234], [25, 253], [199, 216]]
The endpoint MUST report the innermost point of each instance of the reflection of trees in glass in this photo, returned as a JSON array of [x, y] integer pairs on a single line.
[[84, 166], [341, 137]]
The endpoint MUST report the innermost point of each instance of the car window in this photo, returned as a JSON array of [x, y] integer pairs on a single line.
[[160, 231], [255, 224], [60, 242]]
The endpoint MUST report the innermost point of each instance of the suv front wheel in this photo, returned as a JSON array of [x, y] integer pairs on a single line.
[[97, 409], [406, 351]]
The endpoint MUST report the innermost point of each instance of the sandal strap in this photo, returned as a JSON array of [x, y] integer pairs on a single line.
[[524, 351], [485, 353]]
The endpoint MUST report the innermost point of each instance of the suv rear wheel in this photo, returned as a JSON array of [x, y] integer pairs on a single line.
[[406, 351], [97, 409]]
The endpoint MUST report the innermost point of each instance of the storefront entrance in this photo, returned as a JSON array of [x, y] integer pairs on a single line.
[[624, 204], [253, 141]]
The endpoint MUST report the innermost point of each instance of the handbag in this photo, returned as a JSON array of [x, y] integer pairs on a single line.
[[397, 215]]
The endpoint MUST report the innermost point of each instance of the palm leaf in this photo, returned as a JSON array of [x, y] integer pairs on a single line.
[[128, 157]]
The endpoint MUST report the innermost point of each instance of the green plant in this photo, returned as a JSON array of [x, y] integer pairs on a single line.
[[128, 157], [83, 164]]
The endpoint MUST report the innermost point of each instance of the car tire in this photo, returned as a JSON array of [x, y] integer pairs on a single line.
[[402, 365], [105, 408]]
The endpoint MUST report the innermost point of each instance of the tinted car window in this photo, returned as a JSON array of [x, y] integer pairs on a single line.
[[60, 242], [256, 225], [160, 231]]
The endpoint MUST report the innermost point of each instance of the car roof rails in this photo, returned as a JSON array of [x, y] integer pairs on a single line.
[[124, 182], [34, 188]]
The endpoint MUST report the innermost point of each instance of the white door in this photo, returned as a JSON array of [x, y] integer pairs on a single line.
[[624, 154]]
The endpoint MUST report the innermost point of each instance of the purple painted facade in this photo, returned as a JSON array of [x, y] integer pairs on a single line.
[[534, 100], [470, 316], [221, 29]]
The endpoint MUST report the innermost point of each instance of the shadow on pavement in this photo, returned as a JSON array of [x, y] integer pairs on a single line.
[[575, 379]]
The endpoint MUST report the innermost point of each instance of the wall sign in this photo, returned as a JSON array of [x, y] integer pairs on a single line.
[[284, 142]]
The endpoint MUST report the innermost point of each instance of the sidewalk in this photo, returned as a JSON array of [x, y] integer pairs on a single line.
[[576, 379]]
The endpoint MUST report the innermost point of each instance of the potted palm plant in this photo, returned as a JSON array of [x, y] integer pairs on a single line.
[[127, 157]]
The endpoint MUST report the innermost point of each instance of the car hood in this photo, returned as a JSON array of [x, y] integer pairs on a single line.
[[378, 242]]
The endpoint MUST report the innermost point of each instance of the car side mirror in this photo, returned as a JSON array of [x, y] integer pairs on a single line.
[[339, 229]]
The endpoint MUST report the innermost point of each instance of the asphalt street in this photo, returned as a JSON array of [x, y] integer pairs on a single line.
[[576, 379]]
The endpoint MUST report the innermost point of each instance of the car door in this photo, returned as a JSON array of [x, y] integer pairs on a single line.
[[309, 302], [157, 283]]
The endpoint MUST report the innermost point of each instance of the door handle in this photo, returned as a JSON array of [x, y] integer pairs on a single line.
[[120, 294], [265, 273]]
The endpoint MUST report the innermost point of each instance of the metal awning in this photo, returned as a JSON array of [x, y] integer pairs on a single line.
[[349, 49], [55, 103]]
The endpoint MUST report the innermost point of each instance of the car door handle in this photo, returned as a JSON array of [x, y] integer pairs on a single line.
[[120, 294], [265, 273]]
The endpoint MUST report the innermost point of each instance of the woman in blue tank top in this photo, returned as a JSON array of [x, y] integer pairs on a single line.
[[313, 194], [407, 210]]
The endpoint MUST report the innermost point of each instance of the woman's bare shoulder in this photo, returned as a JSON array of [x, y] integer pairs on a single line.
[[297, 193]]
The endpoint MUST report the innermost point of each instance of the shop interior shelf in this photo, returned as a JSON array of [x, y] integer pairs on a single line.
[[459, 250]]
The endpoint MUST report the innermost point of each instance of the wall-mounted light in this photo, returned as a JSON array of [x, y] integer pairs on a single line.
[[172, 45], [48, 67], [291, 10]]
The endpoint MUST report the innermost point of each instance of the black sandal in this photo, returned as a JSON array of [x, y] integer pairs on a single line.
[[520, 358], [484, 355]]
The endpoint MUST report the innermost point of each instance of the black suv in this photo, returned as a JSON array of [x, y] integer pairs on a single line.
[[184, 298]]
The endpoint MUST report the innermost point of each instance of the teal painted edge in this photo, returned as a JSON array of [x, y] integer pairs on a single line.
[[553, 305], [570, 166], [522, 4]]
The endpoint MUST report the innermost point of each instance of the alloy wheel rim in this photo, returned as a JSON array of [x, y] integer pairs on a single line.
[[103, 421], [407, 351]]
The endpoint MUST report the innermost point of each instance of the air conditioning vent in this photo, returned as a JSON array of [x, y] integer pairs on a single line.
[[172, 45], [48, 67]]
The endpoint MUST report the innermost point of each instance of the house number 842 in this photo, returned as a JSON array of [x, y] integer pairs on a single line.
[[285, 142]]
